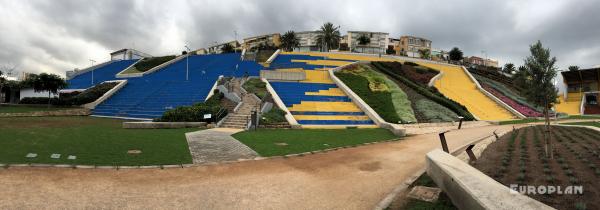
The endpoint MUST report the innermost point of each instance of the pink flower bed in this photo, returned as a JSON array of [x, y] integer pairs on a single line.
[[525, 110]]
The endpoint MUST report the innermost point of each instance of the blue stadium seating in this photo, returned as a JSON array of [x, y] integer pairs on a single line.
[[104, 73], [153, 94]]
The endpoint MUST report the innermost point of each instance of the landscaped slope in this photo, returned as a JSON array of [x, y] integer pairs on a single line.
[[508, 96], [381, 94], [456, 85], [148, 63]]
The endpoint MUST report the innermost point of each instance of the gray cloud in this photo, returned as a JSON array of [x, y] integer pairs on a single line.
[[55, 36]]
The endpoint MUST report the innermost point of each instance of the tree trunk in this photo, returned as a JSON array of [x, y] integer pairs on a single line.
[[48, 99], [548, 145]]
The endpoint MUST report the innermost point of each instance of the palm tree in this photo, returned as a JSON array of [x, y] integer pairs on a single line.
[[573, 68], [455, 54], [363, 41], [289, 41], [425, 53], [227, 48], [329, 37]]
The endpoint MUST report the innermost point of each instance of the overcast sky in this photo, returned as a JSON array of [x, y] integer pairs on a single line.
[[59, 35]]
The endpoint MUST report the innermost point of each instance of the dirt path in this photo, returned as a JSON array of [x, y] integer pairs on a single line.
[[356, 178]]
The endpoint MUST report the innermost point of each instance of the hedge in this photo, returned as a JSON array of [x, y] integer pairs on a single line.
[[275, 115], [73, 99], [430, 93], [256, 86], [196, 112], [149, 63]]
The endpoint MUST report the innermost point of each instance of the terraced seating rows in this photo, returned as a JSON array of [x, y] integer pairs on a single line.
[[151, 95], [103, 73], [316, 101]]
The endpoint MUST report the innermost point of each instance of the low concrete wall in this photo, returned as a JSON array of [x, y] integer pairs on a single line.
[[437, 77], [65, 112], [272, 58], [469, 188], [106, 95], [283, 75], [229, 95], [214, 87], [281, 105], [155, 125], [489, 95], [152, 70], [397, 129]]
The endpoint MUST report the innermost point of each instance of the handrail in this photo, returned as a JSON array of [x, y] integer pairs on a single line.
[[220, 113]]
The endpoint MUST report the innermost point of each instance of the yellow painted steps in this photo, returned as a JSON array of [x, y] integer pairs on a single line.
[[317, 77], [337, 126], [571, 106], [324, 106], [328, 92], [324, 62], [456, 85], [332, 117]]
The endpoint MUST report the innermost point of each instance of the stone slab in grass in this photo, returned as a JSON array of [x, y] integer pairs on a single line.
[[31, 155], [429, 194], [72, 157], [55, 156]]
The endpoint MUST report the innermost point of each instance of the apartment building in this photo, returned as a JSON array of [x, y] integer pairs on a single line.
[[394, 44], [307, 41], [216, 49], [482, 61], [265, 40], [378, 42], [410, 46]]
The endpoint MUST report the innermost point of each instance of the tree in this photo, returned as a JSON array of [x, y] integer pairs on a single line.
[[227, 48], [2, 81], [390, 50], [540, 89], [329, 37], [521, 77], [48, 82], [573, 68], [509, 68], [289, 41], [425, 53], [455, 54], [363, 40], [5, 70]]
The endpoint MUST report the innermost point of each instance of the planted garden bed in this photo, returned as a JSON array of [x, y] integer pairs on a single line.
[[519, 158], [149, 63], [419, 74]]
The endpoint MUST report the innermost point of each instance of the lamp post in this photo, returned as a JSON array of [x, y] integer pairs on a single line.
[[92, 61], [187, 64]]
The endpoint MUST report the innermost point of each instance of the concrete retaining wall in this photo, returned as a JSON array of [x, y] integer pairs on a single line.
[[155, 125], [65, 112], [437, 77], [106, 95], [272, 58], [469, 188], [283, 75]]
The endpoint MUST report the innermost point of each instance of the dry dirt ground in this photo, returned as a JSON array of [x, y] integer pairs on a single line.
[[355, 178]]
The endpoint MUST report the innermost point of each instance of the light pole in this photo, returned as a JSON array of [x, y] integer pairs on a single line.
[[187, 64], [92, 61]]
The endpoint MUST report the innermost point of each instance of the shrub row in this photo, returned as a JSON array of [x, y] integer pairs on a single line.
[[196, 112], [73, 99], [149, 63], [274, 116], [412, 71], [431, 93]]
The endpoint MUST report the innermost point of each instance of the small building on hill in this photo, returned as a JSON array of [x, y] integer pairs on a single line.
[[128, 54], [378, 42], [410, 46], [584, 84], [216, 49], [273, 40], [307, 41]]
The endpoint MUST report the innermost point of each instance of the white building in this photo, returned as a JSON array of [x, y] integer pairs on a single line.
[[378, 42], [307, 41], [216, 49], [128, 54]]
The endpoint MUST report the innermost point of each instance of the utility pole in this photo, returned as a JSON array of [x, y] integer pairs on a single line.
[[92, 61], [187, 64]]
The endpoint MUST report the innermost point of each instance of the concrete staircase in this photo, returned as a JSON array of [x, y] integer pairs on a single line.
[[240, 118]]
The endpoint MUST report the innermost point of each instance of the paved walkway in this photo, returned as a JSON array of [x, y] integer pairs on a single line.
[[355, 178], [217, 145]]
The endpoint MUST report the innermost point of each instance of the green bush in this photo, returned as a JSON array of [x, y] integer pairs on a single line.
[[91, 94], [428, 92], [196, 112], [275, 115], [149, 63], [256, 86]]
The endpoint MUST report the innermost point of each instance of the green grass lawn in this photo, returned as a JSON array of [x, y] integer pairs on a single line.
[[595, 124], [95, 141], [272, 142], [23, 109]]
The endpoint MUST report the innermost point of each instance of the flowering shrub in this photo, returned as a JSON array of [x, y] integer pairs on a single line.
[[525, 110]]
